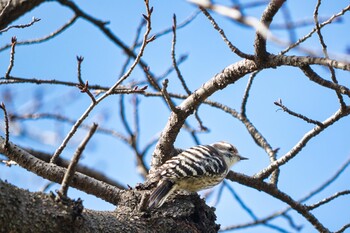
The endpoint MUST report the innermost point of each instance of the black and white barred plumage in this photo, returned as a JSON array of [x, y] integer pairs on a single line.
[[199, 167]]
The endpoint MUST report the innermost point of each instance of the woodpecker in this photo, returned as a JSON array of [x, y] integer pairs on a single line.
[[197, 168]]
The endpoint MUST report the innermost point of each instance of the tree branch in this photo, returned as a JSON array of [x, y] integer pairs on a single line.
[[276, 193], [229, 75], [80, 181]]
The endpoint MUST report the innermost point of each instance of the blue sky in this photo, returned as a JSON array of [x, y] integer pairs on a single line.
[[207, 55]]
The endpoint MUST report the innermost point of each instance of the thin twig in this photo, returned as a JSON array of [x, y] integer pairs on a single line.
[[12, 56], [107, 32], [302, 143], [246, 92], [173, 58], [291, 222], [222, 33], [84, 88], [341, 230], [7, 132], [123, 117], [179, 26], [298, 23], [65, 119], [178, 72], [328, 199], [313, 76], [202, 127], [324, 49], [327, 182], [240, 201], [278, 194], [74, 162], [250, 21], [249, 211], [298, 115], [301, 40], [75, 127], [98, 89], [133, 46], [45, 38], [80, 60], [91, 172], [167, 72], [167, 97], [302, 200], [34, 20]]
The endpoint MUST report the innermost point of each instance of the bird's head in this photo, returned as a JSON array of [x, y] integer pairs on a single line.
[[228, 152]]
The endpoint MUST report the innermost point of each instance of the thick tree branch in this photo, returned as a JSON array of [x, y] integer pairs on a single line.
[[165, 149], [82, 182], [266, 19], [23, 211]]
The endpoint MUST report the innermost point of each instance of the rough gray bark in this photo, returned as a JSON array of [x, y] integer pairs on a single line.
[[24, 211], [9, 12]]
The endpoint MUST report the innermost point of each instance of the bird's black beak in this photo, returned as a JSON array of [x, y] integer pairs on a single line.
[[242, 158]]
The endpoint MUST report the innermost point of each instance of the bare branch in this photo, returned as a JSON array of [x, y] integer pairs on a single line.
[[45, 38], [173, 57], [328, 199], [7, 132], [343, 228], [236, 15], [65, 119], [34, 20], [146, 40], [325, 52], [246, 93], [179, 26], [167, 97], [84, 88], [133, 46], [330, 20], [313, 76], [12, 57], [243, 205], [80, 60], [229, 75], [90, 172], [222, 33], [298, 115], [298, 23], [302, 143], [327, 182], [82, 182], [301, 61], [260, 37], [302, 200], [276, 193], [68, 176]]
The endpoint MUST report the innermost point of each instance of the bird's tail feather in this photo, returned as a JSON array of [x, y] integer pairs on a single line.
[[160, 194]]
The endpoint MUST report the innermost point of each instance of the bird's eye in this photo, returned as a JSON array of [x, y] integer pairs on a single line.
[[231, 149]]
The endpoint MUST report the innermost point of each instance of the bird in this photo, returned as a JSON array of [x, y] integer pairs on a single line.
[[194, 169]]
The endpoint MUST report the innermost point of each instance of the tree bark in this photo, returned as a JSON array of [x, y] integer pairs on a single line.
[[24, 211]]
